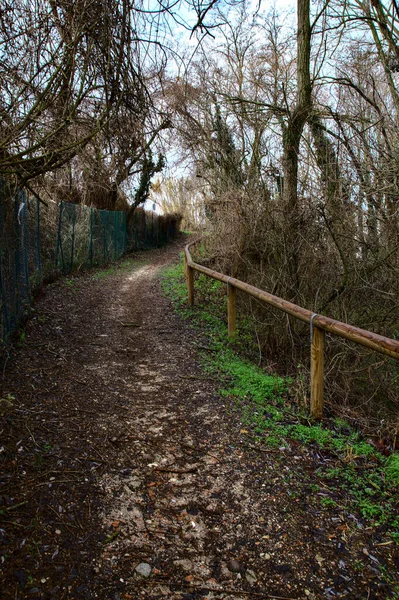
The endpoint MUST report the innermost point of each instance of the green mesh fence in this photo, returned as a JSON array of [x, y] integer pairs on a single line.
[[149, 230], [19, 257], [38, 244], [89, 237]]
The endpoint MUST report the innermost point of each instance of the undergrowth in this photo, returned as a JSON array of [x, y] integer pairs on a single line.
[[369, 479]]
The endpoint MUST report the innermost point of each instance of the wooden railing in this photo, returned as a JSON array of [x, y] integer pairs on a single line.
[[319, 324]]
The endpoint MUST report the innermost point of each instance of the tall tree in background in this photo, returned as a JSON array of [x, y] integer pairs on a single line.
[[292, 128]]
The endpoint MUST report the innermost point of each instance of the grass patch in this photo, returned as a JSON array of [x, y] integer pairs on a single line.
[[368, 479], [127, 264], [392, 469], [104, 273]]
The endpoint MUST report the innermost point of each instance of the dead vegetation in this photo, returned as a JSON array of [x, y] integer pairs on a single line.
[[297, 163]]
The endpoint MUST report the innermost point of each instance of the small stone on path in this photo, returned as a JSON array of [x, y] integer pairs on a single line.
[[250, 576], [186, 565], [234, 566], [143, 569]]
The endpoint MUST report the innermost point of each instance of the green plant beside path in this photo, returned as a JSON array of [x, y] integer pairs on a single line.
[[365, 480]]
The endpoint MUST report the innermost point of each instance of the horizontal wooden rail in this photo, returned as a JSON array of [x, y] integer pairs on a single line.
[[318, 325]]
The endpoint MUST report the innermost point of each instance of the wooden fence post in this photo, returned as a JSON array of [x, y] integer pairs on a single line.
[[317, 373], [189, 273], [231, 307], [190, 285]]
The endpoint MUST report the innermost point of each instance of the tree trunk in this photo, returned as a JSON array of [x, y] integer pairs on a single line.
[[292, 135]]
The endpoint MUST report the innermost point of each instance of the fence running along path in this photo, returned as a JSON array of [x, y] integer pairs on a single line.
[[38, 245], [319, 324]]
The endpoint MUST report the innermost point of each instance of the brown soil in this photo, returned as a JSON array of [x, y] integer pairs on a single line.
[[116, 453]]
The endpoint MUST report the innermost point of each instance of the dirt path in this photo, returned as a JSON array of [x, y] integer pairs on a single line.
[[124, 475]]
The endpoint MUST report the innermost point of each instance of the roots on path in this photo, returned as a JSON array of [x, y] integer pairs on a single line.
[[125, 476]]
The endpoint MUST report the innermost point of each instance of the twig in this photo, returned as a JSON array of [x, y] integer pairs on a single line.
[[32, 436], [221, 590], [384, 543], [267, 450], [264, 595], [31, 481], [204, 378], [213, 456], [78, 481], [57, 354], [15, 506], [89, 412], [15, 524], [175, 470], [98, 452], [128, 324], [208, 348]]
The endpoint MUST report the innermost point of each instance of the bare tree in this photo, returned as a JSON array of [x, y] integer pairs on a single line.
[[68, 68], [64, 69]]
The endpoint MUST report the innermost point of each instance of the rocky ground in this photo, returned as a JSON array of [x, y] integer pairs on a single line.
[[124, 475]]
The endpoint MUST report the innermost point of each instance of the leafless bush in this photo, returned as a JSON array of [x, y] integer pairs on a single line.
[[247, 241]]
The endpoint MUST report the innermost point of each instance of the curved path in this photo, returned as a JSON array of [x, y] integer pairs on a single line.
[[125, 476]]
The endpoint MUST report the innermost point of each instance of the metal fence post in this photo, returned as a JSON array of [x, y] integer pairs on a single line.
[[38, 240], [115, 235], [91, 238], [59, 243], [73, 239]]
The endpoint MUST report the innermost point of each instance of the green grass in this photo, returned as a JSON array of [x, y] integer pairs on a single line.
[[392, 469], [127, 264], [105, 273], [367, 481]]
